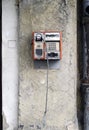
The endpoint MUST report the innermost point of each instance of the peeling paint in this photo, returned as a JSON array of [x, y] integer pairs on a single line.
[[5, 124], [71, 126]]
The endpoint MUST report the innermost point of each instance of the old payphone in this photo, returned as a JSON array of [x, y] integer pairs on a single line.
[[47, 45]]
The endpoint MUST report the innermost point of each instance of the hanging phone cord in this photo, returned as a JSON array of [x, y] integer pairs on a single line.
[[46, 104]]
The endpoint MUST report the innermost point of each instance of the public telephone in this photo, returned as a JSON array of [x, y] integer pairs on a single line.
[[47, 45]]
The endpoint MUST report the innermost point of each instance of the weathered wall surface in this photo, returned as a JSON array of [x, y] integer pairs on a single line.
[[38, 15], [9, 64]]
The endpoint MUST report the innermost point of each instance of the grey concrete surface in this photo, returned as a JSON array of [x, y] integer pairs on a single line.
[[61, 109], [61, 113], [9, 64]]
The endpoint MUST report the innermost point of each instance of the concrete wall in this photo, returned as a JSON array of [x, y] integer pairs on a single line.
[[61, 114], [9, 64], [38, 15]]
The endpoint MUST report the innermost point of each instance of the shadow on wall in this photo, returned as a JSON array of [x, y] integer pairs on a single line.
[[80, 107]]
